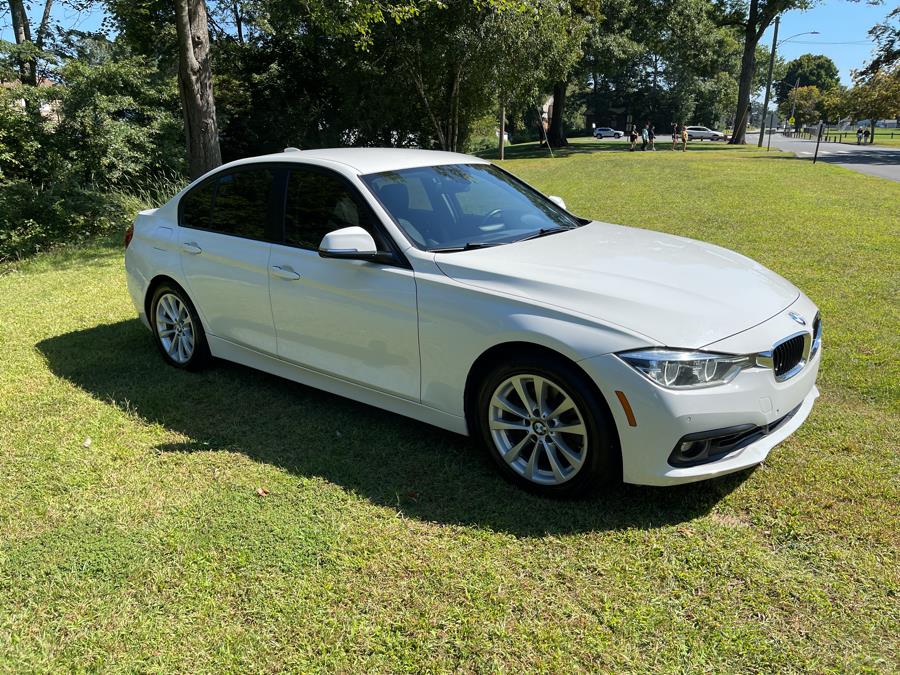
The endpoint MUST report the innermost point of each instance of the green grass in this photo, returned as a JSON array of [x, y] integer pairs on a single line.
[[891, 142], [386, 545]]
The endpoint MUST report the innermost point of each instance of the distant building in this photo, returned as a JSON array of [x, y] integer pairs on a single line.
[[50, 106]]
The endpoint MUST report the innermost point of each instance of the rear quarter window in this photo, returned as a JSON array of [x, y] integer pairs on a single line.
[[196, 206]]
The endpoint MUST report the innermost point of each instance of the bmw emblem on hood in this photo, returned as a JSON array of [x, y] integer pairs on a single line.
[[796, 317]]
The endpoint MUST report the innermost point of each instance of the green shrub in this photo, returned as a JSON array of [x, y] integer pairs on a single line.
[[34, 219]]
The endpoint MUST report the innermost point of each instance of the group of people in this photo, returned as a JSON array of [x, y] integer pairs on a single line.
[[860, 135], [648, 137]]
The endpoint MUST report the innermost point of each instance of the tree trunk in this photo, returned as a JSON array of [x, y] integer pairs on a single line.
[[22, 33], [556, 136], [745, 82], [238, 22], [195, 87], [44, 25]]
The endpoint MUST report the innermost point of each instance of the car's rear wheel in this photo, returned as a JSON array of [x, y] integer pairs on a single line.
[[177, 329], [546, 427]]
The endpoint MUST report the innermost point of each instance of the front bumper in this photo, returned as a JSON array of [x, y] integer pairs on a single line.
[[663, 417]]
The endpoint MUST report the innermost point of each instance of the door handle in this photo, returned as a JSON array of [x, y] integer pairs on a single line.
[[284, 273], [191, 247]]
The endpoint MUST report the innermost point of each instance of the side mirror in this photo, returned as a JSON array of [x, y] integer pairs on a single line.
[[557, 200], [350, 242]]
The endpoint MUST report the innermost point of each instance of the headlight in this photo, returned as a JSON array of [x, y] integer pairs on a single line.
[[675, 369]]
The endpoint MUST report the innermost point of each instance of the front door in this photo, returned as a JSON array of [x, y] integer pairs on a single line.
[[353, 319]]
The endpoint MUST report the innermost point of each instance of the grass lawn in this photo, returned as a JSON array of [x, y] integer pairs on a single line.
[[884, 140], [891, 137], [132, 535]]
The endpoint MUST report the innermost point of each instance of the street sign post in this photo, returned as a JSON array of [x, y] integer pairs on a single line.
[[818, 140]]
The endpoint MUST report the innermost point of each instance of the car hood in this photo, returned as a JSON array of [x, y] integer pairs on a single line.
[[678, 292]]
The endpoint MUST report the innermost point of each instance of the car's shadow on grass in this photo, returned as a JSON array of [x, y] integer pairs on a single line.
[[424, 472]]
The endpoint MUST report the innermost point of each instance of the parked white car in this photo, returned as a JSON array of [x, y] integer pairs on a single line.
[[440, 287], [704, 133], [607, 132]]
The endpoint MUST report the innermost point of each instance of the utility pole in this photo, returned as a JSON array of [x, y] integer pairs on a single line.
[[762, 126], [794, 98], [502, 129]]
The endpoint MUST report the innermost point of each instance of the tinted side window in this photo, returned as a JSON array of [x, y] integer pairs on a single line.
[[242, 203], [318, 203], [196, 206]]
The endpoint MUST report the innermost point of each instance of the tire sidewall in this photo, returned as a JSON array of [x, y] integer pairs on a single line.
[[200, 356], [601, 466]]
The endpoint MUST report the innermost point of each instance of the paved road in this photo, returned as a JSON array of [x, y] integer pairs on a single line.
[[870, 159]]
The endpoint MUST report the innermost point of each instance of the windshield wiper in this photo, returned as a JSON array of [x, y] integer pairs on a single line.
[[468, 247], [544, 231]]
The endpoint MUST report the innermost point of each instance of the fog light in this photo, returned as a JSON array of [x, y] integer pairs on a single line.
[[692, 449]]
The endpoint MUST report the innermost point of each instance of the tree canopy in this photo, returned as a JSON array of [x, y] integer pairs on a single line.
[[808, 70]]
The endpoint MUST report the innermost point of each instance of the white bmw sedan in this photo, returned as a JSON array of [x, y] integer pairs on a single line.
[[440, 287]]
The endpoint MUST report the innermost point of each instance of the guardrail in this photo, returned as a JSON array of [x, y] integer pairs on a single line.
[[837, 136]]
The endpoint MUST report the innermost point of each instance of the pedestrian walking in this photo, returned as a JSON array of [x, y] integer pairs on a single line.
[[652, 136], [866, 135], [859, 135], [684, 138], [676, 134], [645, 136], [633, 136]]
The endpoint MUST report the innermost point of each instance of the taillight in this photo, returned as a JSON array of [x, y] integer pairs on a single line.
[[129, 234]]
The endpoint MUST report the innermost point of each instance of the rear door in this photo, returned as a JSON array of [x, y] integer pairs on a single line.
[[226, 224], [352, 319]]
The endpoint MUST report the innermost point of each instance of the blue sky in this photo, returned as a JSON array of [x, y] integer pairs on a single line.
[[838, 22]]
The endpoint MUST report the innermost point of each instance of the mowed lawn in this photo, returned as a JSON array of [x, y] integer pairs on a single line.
[[133, 535]]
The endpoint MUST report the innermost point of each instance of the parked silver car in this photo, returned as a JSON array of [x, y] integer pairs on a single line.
[[704, 133], [608, 132]]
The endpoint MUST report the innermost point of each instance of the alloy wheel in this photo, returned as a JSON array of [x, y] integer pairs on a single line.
[[175, 328], [537, 429]]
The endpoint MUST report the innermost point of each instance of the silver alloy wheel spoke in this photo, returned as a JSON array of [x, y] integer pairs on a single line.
[[538, 429], [174, 327], [505, 404], [514, 452], [521, 425], [550, 451]]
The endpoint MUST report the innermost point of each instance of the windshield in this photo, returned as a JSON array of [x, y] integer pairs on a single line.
[[455, 206]]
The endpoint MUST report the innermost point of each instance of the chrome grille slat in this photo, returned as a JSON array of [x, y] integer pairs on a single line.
[[788, 355]]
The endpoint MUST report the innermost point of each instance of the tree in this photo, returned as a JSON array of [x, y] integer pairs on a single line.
[[195, 85], [537, 35], [887, 51], [580, 14], [753, 17], [809, 70], [834, 104], [28, 49], [876, 97], [804, 102]]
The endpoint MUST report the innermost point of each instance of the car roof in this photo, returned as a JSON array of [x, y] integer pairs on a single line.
[[367, 160]]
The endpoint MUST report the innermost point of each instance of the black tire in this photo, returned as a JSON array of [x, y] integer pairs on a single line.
[[601, 465], [200, 356]]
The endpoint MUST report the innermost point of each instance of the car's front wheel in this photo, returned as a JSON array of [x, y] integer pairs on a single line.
[[177, 329], [546, 427]]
